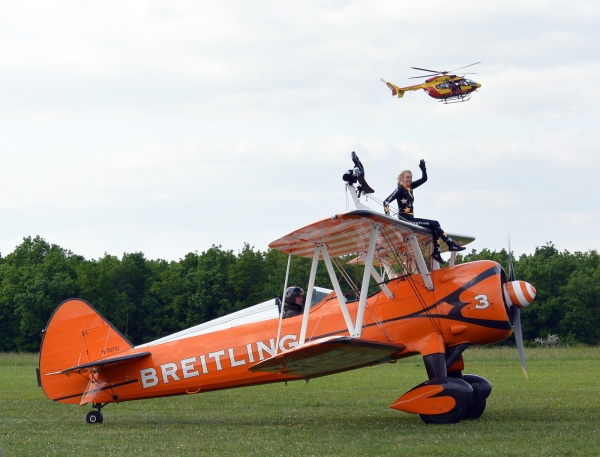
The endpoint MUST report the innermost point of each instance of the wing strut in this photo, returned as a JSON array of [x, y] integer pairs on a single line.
[[309, 292], [414, 244], [321, 249], [282, 308], [354, 329], [364, 290], [338, 290]]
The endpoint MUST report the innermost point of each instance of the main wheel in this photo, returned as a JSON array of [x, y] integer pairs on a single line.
[[481, 391], [475, 410], [94, 417], [451, 417], [456, 389]]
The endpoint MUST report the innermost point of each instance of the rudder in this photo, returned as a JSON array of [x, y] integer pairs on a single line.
[[76, 334]]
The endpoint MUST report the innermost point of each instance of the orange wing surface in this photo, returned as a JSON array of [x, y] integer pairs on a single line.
[[329, 355], [350, 233]]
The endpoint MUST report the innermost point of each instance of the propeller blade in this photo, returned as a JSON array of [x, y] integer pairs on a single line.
[[511, 270], [518, 294], [518, 332]]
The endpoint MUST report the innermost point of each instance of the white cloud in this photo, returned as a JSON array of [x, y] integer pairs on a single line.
[[167, 127]]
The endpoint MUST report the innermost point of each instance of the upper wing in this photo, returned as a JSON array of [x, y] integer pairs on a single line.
[[350, 233], [329, 355]]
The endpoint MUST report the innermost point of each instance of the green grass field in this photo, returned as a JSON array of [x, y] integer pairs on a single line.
[[554, 413]]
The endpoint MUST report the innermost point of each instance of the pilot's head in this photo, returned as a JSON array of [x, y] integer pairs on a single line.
[[292, 294]]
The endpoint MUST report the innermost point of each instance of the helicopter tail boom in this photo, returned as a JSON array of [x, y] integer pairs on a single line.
[[399, 91]]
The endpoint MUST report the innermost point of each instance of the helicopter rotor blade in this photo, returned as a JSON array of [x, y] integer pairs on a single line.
[[476, 63], [430, 71], [424, 76]]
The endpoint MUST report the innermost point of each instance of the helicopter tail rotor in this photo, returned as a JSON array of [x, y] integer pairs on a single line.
[[396, 91]]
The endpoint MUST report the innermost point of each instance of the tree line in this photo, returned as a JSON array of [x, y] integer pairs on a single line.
[[147, 299]]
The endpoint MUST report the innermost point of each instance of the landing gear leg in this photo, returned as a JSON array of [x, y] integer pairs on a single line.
[[460, 390], [95, 417]]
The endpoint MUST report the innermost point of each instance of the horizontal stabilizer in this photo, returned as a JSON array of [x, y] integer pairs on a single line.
[[329, 355], [98, 364]]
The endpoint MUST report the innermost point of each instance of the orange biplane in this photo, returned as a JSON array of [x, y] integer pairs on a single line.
[[405, 305]]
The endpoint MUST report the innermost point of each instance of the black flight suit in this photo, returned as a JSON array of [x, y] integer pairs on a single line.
[[405, 199]]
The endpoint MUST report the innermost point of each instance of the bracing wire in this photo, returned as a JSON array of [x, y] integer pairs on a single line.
[[398, 257]]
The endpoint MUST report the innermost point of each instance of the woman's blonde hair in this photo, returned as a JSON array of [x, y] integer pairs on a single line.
[[401, 175]]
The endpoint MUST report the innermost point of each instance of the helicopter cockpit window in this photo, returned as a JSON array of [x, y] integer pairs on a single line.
[[468, 82]]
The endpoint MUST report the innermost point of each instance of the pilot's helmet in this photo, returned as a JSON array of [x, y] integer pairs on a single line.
[[291, 293]]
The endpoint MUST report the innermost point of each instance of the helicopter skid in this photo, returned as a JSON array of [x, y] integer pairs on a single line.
[[456, 99]]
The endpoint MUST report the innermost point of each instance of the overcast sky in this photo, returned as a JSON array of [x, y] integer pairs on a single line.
[[167, 127]]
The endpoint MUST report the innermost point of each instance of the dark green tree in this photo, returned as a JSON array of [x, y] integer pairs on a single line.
[[581, 302], [246, 278], [147, 299], [209, 296], [172, 292], [36, 277]]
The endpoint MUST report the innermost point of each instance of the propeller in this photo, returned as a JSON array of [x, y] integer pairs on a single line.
[[518, 295]]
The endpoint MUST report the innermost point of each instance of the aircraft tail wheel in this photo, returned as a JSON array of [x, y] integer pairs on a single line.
[[94, 417]]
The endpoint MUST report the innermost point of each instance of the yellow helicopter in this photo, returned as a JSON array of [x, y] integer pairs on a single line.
[[446, 88]]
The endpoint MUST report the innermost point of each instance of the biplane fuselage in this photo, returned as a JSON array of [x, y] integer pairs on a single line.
[[466, 305], [437, 314]]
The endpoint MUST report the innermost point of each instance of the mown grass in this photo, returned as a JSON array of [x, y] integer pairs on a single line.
[[554, 413]]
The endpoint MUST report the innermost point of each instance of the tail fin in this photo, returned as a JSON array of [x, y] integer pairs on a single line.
[[395, 89], [76, 335]]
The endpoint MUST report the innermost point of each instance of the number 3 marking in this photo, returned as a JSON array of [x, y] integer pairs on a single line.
[[482, 301]]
